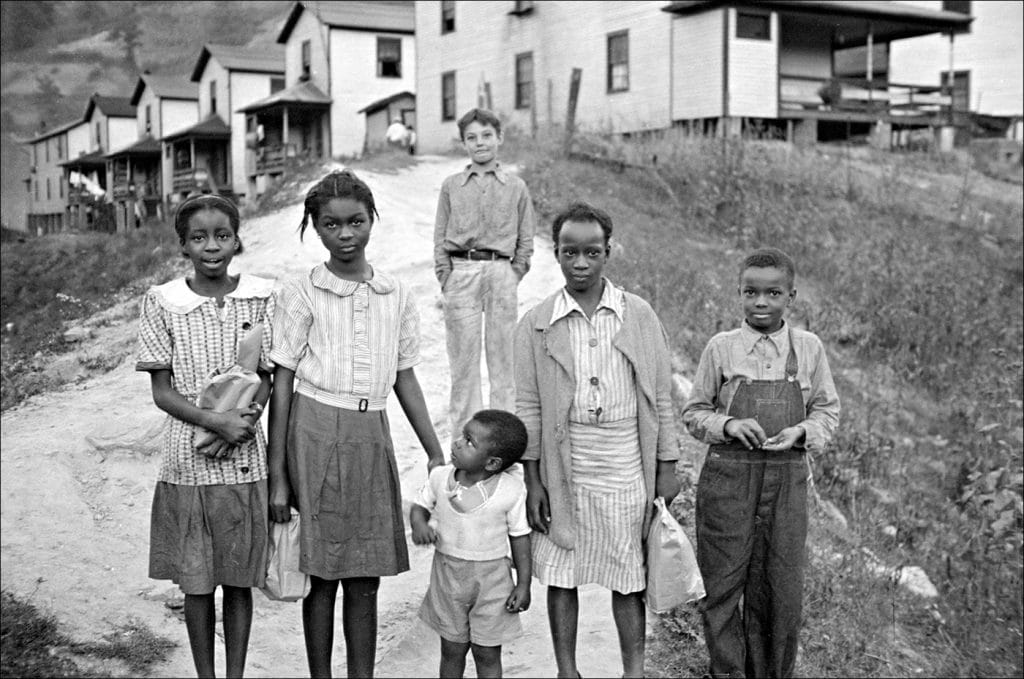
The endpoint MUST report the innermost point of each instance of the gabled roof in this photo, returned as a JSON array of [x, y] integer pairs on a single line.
[[381, 103], [393, 16], [890, 20], [147, 146], [46, 134], [213, 127], [165, 87], [300, 93], [112, 107], [269, 59]]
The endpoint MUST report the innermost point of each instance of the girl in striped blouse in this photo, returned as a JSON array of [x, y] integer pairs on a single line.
[[348, 335]]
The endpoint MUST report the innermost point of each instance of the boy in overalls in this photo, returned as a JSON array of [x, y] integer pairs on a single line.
[[762, 397]]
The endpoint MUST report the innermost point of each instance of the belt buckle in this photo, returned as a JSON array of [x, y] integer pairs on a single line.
[[364, 405]]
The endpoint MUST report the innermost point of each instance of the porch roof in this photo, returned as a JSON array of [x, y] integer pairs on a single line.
[[849, 19], [303, 94], [381, 103], [211, 128], [146, 146], [95, 159]]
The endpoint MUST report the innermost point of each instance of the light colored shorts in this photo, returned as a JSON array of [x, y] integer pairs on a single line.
[[466, 601]]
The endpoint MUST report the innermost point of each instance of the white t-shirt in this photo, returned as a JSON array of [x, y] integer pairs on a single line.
[[482, 533], [396, 133]]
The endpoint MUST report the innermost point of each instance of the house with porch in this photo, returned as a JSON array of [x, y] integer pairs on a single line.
[[141, 172], [710, 66], [339, 58], [210, 155]]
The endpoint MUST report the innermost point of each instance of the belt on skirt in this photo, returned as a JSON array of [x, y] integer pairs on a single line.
[[346, 401], [477, 255]]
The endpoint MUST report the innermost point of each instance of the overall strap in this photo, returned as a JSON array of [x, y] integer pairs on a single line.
[[791, 364]]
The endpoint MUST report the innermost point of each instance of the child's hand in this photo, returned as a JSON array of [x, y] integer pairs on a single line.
[[666, 484], [538, 511], [280, 510], [434, 462], [519, 599], [785, 439], [213, 446], [747, 431], [423, 534], [233, 427]]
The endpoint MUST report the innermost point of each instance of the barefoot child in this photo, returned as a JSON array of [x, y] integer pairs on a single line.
[[593, 386], [762, 397], [480, 508], [209, 524], [349, 334]]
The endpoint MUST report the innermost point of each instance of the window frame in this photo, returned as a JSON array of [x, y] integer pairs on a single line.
[[306, 60], [380, 61], [149, 118], [610, 71], [213, 97], [761, 18], [448, 112], [447, 16], [276, 84], [524, 100]]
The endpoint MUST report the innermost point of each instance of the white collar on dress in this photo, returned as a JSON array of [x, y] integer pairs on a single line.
[[321, 277], [177, 297]]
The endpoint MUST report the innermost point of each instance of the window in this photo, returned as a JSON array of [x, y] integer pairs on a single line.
[[447, 16], [99, 139], [307, 59], [961, 95], [167, 151], [35, 155], [960, 7], [276, 85], [47, 145], [60, 148], [389, 58], [47, 188], [448, 95], [524, 7], [60, 188], [524, 80], [753, 26], [149, 119], [213, 96], [618, 61], [35, 189]]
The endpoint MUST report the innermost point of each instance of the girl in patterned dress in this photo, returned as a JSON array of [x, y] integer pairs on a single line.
[[209, 522], [347, 334], [593, 387]]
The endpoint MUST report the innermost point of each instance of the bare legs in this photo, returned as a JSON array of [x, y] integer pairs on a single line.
[[359, 621], [629, 613], [453, 659], [201, 622]]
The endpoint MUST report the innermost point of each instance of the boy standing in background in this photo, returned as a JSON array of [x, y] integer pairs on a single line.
[[762, 396], [483, 241]]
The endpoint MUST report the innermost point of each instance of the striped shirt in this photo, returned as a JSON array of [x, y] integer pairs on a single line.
[[346, 341], [192, 337], [605, 385]]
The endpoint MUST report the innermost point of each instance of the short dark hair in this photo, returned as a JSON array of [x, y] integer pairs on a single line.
[[506, 434], [197, 202], [770, 258], [339, 184], [581, 212], [480, 115]]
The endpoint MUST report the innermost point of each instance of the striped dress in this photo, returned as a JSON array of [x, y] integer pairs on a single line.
[[607, 476]]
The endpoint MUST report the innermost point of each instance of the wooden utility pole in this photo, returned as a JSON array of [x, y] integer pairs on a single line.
[[570, 115]]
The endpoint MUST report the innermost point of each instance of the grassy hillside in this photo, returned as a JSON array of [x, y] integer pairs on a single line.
[[55, 55]]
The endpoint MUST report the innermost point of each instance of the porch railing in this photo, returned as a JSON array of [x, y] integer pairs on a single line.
[[275, 158], [147, 189], [879, 96]]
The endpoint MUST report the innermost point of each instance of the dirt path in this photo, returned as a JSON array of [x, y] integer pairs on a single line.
[[79, 466]]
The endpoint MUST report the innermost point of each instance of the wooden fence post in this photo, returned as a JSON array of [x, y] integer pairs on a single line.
[[570, 115]]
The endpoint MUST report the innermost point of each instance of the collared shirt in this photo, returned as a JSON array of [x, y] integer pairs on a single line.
[[488, 210], [743, 353], [605, 388], [192, 337], [345, 338]]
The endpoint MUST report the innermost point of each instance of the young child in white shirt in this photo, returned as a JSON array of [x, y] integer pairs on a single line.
[[479, 510]]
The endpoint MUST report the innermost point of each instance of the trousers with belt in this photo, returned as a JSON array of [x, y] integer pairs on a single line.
[[480, 302], [751, 531]]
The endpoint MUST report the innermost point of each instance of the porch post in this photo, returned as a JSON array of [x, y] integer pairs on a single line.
[[949, 78], [871, 63], [284, 133]]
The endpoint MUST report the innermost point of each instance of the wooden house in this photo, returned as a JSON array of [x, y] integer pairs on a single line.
[[987, 64], [339, 58], [47, 190], [210, 155], [707, 65], [141, 172]]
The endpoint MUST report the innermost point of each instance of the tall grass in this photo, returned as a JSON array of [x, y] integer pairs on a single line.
[[910, 269]]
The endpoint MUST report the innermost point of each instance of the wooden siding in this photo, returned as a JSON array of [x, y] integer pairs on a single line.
[[753, 73], [993, 52], [246, 88], [47, 170], [79, 141], [697, 66], [354, 83], [308, 27]]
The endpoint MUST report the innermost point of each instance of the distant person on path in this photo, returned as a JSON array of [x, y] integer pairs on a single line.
[[348, 334], [397, 135], [209, 522], [762, 397], [480, 509], [594, 388], [483, 241], [412, 141]]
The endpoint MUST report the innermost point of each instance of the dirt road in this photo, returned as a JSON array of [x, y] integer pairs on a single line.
[[79, 466]]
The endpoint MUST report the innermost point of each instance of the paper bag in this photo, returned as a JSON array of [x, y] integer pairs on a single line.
[[284, 580], [235, 387], [673, 577]]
